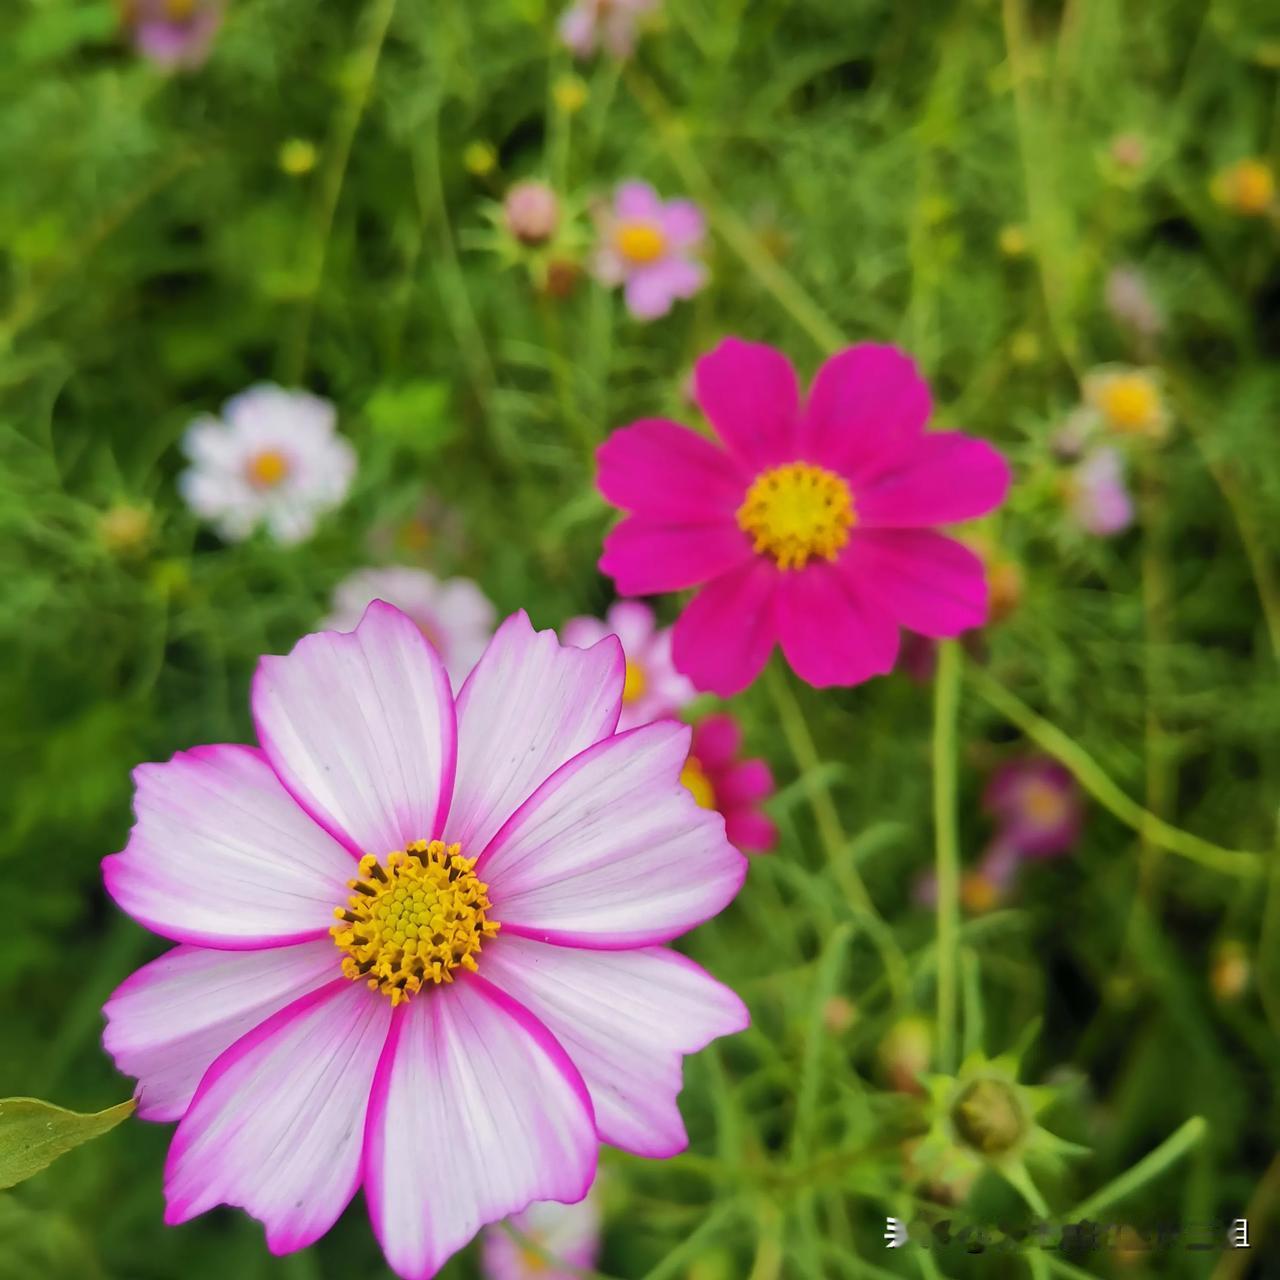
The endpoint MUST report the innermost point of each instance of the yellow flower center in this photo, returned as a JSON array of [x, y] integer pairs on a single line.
[[1043, 803], [797, 512], [179, 10], [640, 242], [268, 469], [694, 777], [1250, 188], [635, 684], [413, 920], [978, 893], [1129, 401]]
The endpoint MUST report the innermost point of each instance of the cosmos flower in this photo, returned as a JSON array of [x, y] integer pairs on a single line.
[[494, 999], [174, 34], [455, 615], [812, 527], [273, 459], [648, 246], [1127, 400], [1036, 805], [569, 1233], [736, 788], [654, 688], [588, 25], [1097, 495]]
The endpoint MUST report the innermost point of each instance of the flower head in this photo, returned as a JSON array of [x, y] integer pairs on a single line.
[[455, 615], [812, 527], [174, 34], [531, 212], [653, 688], [588, 25], [1097, 495], [1036, 805], [1132, 304], [648, 246], [273, 459], [568, 1233], [493, 1000], [1247, 187], [719, 779], [1128, 401]]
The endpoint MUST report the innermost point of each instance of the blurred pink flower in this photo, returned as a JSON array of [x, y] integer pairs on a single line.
[[735, 788], [813, 528], [174, 34], [531, 211], [648, 247], [569, 1233], [1131, 303], [653, 688], [1097, 494], [1036, 805], [588, 25]]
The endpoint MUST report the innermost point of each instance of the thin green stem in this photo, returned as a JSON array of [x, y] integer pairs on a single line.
[[946, 709], [1020, 1180], [1092, 777], [1172, 1149]]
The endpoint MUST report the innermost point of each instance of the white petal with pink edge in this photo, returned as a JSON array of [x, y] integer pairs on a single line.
[[529, 705], [612, 851], [476, 1112], [168, 1021], [360, 728], [626, 1018], [222, 856], [276, 1126]]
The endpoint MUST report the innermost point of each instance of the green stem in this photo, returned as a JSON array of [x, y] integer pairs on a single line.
[[946, 709], [1173, 1148], [1091, 776], [1020, 1180]]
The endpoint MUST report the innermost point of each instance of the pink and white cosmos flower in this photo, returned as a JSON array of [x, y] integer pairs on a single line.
[[459, 1047], [812, 527], [653, 688]]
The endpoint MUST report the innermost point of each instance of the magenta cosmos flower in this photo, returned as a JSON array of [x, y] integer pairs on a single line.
[[1036, 805], [174, 34], [653, 688], [812, 527], [649, 248], [495, 998], [734, 787]]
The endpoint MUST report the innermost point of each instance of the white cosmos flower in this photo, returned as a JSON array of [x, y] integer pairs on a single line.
[[272, 459]]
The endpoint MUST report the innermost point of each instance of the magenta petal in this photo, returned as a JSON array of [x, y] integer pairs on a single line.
[[683, 224], [665, 471], [942, 478], [832, 631], [612, 851], [727, 631], [360, 727], [626, 1019], [276, 1124], [742, 783], [222, 856], [928, 583], [476, 1112], [637, 201], [750, 831], [865, 401], [716, 741], [749, 393], [646, 557], [529, 705], [168, 1021]]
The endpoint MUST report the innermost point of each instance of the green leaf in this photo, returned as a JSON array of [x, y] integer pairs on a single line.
[[33, 1134]]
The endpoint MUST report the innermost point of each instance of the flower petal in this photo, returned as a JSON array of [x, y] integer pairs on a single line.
[[476, 1112], [726, 633], [529, 705], [275, 1126], [626, 1018], [941, 478], [665, 471], [832, 630], [222, 856], [750, 831], [744, 782], [748, 392], [651, 290], [865, 401], [928, 583], [645, 557], [168, 1021], [683, 224], [612, 850], [717, 741], [637, 201], [360, 727]]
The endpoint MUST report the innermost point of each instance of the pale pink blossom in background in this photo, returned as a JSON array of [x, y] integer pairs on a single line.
[[455, 615], [568, 1233], [737, 788], [531, 211], [649, 247], [612, 25], [654, 688], [1097, 494], [174, 34], [1132, 304]]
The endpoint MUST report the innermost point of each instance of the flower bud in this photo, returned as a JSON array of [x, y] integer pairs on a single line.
[[988, 1117], [532, 212]]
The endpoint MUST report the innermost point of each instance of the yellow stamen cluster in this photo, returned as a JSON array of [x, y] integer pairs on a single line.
[[640, 242], [694, 777], [634, 687], [796, 513], [1044, 803], [1130, 402], [267, 469], [413, 920]]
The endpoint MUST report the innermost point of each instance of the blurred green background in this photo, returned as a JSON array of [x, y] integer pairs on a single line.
[[944, 175]]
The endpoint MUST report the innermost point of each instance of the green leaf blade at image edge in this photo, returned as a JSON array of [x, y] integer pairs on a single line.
[[33, 1134]]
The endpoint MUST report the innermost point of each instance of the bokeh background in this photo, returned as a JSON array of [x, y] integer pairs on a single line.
[[318, 204]]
